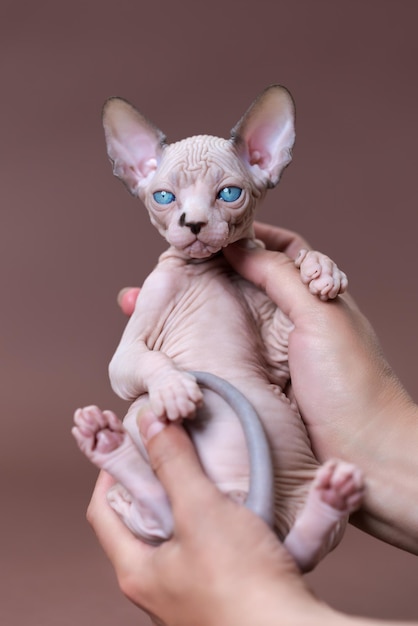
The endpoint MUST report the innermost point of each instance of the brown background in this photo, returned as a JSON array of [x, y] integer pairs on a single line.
[[72, 236]]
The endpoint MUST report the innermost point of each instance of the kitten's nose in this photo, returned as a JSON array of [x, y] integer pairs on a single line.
[[195, 227]]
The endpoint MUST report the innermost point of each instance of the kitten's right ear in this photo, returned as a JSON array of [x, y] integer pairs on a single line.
[[265, 135], [134, 144]]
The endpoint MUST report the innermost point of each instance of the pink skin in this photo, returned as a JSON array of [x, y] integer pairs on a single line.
[[320, 274], [127, 299], [335, 492], [98, 433], [141, 503], [193, 313]]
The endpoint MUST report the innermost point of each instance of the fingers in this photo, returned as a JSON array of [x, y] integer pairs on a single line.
[[280, 239], [275, 273], [127, 298], [116, 540], [276, 239], [174, 460]]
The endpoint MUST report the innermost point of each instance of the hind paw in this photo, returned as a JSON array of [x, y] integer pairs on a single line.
[[98, 433], [340, 485]]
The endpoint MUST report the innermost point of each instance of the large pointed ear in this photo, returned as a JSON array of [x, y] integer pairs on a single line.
[[266, 133], [134, 144]]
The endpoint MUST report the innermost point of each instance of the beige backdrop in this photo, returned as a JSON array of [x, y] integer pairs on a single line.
[[72, 236]]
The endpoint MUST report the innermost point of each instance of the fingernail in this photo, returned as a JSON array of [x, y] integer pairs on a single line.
[[122, 294], [243, 244], [247, 244]]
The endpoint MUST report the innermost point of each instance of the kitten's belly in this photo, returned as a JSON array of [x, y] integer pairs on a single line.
[[221, 446], [214, 331]]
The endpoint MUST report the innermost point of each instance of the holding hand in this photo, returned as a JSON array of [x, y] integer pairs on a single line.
[[351, 401], [223, 564]]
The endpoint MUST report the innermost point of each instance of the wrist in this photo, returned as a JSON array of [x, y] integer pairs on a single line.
[[386, 455], [285, 602]]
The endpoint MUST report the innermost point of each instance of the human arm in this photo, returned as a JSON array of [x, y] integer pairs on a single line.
[[354, 406]]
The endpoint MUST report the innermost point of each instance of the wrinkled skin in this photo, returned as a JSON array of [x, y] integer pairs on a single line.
[[195, 313]]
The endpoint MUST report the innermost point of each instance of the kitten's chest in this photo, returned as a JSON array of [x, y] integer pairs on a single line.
[[215, 313], [206, 301]]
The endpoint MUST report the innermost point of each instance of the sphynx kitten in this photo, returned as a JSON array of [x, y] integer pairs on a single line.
[[195, 313]]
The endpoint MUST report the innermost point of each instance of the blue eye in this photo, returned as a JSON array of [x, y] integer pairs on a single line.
[[230, 194], [164, 197]]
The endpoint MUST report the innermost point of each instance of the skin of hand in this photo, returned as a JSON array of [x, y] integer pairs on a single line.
[[127, 299], [352, 403], [223, 566]]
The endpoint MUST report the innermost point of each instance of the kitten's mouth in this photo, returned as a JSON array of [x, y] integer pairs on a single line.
[[202, 245], [200, 250]]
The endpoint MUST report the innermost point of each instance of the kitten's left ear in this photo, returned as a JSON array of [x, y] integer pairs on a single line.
[[266, 133], [134, 144]]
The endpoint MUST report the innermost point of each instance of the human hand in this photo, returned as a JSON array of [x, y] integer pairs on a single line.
[[350, 399], [223, 564]]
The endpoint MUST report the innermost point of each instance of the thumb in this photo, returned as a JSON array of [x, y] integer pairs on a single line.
[[176, 464], [274, 273]]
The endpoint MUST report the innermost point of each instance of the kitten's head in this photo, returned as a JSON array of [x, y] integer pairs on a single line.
[[201, 192]]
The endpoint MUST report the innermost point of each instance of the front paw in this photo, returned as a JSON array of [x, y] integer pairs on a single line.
[[321, 274], [175, 395]]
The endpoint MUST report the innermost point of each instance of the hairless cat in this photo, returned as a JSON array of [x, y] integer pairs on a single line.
[[206, 347]]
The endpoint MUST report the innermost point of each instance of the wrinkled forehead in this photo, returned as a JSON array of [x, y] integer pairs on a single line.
[[203, 155]]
